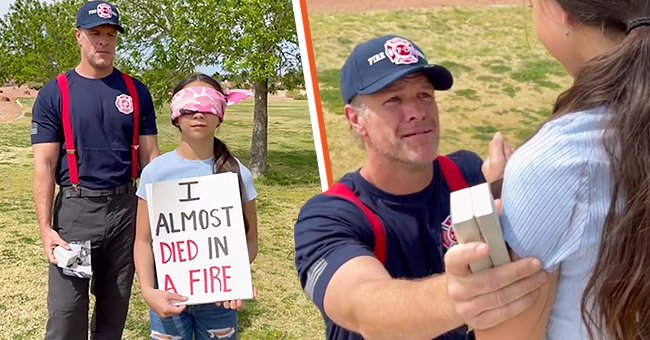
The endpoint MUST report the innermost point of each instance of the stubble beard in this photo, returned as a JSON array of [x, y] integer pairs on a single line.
[[99, 63], [412, 158]]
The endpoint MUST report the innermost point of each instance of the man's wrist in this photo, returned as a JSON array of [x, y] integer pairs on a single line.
[[43, 228]]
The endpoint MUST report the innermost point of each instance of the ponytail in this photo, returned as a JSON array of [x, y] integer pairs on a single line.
[[225, 162]]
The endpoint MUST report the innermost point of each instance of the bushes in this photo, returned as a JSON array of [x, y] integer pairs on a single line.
[[296, 94]]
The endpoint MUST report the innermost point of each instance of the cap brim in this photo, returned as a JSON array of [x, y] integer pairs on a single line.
[[439, 76], [101, 23]]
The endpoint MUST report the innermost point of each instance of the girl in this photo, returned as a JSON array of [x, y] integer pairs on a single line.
[[577, 194], [198, 108]]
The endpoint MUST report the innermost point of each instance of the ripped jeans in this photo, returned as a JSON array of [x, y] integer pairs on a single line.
[[206, 321]]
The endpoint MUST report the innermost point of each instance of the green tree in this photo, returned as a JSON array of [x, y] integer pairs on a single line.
[[37, 40], [166, 40], [265, 46], [252, 40]]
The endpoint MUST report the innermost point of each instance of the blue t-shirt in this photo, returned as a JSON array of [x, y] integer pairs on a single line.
[[171, 166], [331, 231], [102, 134]]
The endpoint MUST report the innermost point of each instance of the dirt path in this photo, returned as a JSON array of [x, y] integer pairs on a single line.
[[351, 6], [9, 109]]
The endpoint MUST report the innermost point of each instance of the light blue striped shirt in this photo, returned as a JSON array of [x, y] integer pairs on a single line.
[[556, 194]]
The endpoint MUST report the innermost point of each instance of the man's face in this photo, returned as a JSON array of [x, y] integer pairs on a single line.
[[401, 122], [98, 45]]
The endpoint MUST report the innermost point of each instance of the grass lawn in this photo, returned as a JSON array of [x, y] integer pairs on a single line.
[[504, 79], [281, 310]]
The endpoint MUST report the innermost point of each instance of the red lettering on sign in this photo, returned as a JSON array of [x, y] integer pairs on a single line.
[[169, 285], [192, 280], [225, 279], [175, 251], [166, 252], [215, 279]]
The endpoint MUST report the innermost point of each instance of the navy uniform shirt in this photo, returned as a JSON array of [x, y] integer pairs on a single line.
[[103, 135], [331, 231]]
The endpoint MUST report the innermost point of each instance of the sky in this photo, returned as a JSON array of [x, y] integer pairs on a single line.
[[4, 6]]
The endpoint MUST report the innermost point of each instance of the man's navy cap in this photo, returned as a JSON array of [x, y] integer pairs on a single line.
[[98, 13], [378, 63]]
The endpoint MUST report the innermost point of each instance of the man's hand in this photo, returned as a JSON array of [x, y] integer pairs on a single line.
[[487, 298], [51, 239], [498, 154]]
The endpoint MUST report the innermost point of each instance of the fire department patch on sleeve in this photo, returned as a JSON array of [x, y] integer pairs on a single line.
[[124, 104]]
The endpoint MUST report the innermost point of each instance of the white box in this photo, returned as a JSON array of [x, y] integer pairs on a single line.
[[65, 257], [464, 224], [487, 219]]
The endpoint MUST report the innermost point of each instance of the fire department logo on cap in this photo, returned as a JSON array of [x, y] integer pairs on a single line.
[[124, 104], [400, 51], [104, 11]]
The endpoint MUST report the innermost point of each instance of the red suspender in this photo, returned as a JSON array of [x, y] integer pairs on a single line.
[[67, 130], [341, 190], [450, 172], [130, 86], [62, 80]]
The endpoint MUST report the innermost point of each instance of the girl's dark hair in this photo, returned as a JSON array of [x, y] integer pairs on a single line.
[[616, 303], [224, 161]]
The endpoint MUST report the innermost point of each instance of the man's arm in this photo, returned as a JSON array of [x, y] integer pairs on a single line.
[[148, 149], [361, 292], [46, 156]]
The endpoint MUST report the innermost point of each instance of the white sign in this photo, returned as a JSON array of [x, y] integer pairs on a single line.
[[199, 241]]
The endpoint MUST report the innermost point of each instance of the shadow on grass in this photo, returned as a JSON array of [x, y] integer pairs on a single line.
[[456, 68], [537, 72], [330, 91], [469, 94], [483, 133], [292, 167], [286, 167]]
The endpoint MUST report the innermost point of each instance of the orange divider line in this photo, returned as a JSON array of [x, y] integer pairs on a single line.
[[317, 99]]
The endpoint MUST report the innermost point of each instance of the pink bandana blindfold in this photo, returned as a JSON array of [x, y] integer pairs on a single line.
[[205, 99]]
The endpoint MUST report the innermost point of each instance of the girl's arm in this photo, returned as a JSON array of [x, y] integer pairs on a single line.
[[160, 301], [142, 252], [530, 324], [250, 211]]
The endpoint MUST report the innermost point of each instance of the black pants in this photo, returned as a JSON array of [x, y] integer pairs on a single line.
[[108, 221]]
